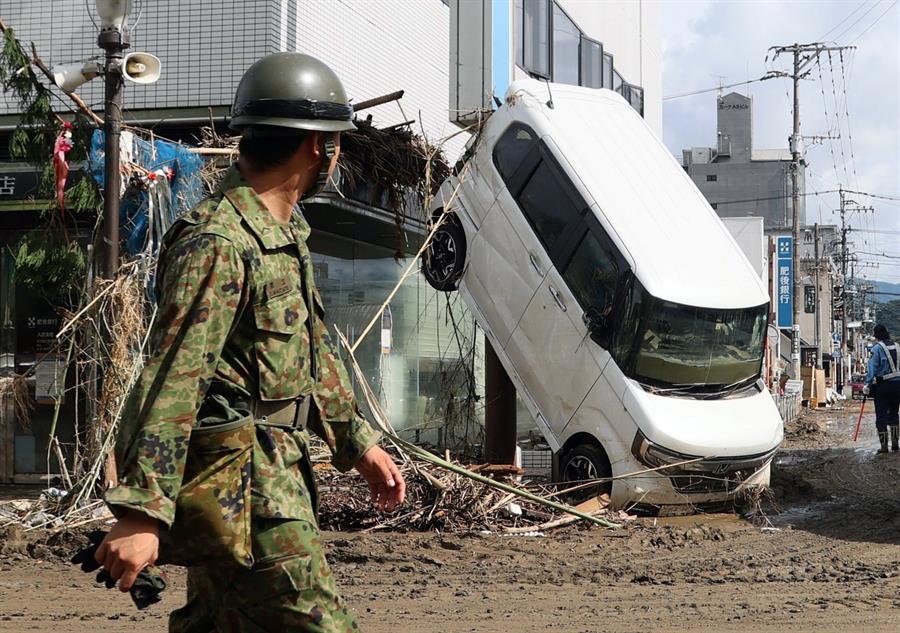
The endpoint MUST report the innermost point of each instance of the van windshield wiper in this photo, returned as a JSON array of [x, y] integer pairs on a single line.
[[703, 390]]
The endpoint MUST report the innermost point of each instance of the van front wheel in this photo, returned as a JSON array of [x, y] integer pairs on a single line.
[[581, 464], [445, 257]]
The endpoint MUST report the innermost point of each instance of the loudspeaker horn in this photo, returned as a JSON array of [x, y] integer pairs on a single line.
[[141, 68], [69, 76]]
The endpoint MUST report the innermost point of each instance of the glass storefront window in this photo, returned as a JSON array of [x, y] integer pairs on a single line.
[[424, 379]]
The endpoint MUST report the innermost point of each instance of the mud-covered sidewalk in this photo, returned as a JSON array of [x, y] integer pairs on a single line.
[[829, 562]]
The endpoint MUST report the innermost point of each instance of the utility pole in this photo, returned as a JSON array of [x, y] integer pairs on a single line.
[[846, 205], [818, 294], [804, 55], [114, 40]]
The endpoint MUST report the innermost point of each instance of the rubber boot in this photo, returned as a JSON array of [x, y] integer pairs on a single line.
[[883, 438], [895, 438]]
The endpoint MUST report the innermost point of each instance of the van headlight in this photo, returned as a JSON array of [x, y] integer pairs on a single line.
[[655, 456]]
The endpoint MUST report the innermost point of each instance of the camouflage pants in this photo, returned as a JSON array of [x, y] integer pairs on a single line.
[[290, 588]]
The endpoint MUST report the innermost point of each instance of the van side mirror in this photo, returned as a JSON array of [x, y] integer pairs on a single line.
[[598, 326]]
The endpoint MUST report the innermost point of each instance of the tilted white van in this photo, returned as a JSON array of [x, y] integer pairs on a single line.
[[626, 315]]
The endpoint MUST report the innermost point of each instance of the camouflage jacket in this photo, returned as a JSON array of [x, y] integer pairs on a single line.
[[236, 303]]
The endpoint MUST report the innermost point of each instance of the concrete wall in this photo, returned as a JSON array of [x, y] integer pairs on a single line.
[[758, 188], [204, 46], [734, 115], [376, 47]]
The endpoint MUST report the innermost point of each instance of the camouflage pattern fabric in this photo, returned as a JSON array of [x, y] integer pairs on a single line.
[[291, 588], [237, 304], [238, 307]]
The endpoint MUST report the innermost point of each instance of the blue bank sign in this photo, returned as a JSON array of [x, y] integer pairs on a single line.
[[785, 279]]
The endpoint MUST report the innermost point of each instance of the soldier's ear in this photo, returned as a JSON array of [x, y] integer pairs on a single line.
[[315, 144]]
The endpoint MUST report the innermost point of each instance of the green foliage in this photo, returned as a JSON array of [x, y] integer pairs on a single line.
[[48, 264], [33, 139], [888, 314]]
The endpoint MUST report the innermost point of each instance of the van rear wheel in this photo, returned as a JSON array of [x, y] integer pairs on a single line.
[[581, 464], [445, 256]]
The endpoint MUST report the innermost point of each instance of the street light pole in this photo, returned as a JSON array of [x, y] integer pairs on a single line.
[[114, 41]]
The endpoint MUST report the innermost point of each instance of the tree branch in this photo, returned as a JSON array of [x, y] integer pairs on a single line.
[[35, 60]]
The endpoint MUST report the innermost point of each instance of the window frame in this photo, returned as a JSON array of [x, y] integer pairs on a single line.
[[612, 68], [514, 126], [553, 6], [532, 71], [581, 49], [538, 156]]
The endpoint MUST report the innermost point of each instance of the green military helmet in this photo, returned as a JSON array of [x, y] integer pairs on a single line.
[[291, 90]]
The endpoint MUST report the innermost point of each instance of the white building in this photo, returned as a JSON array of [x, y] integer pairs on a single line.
[[376, 47]]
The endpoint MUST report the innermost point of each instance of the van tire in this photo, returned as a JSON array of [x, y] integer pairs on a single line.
[[581, 462], [445, 257]]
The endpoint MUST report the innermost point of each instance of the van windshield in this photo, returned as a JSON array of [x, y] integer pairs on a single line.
[[700, 349]]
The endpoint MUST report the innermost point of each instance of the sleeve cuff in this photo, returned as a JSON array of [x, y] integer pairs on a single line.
[[123, 498], [361, 439]]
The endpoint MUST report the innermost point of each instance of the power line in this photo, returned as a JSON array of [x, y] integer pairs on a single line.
[[850, 15], [713, 89], [857, 21], [878, 19], [783, 197], [847, 115]]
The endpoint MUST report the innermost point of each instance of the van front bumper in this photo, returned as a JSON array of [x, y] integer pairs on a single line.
[[691, 475]]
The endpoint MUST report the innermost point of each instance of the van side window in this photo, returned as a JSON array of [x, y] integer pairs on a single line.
[[511, 148], [593, 273], [548, 206]]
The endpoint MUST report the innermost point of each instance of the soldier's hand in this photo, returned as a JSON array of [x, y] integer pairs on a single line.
[[385, 481], [131, 545]]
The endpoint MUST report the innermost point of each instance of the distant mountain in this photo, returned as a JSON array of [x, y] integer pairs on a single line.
[[884, 286]]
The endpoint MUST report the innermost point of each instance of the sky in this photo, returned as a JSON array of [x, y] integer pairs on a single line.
[[708, 42]]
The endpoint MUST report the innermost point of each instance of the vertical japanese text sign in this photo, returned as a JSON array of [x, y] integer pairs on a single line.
[[785, 282]]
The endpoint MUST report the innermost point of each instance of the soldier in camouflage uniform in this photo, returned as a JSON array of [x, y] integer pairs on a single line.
[[240, 328]]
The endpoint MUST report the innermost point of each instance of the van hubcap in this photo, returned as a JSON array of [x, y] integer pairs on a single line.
[[442, 255], [579, 469]]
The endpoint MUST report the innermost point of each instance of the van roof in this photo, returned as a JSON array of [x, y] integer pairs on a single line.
[[679, 248]]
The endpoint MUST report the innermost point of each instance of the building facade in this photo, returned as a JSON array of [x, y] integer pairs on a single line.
[[423, 357], [739, 180]]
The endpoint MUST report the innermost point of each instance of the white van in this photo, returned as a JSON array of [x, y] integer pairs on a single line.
[[626, 315]]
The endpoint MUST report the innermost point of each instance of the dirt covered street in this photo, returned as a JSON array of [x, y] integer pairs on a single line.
[[829, 561]]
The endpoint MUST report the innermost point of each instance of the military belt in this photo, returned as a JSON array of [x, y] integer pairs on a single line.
[[287, 414]]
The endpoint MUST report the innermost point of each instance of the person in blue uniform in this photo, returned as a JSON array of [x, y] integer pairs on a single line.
[[883, 382]]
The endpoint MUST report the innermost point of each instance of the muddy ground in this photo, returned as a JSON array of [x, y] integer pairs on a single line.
[[829, 562]]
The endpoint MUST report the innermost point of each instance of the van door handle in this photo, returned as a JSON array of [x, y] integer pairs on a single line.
[[557, 298], [535, 264]]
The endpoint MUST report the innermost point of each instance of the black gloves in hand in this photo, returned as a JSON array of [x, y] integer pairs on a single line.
[[148, 586]]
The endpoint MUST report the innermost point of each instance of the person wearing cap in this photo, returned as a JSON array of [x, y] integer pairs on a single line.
[[883, 382], [240, 333]]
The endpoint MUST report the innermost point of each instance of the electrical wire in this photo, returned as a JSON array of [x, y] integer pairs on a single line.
[[827, 119], [877, 20], [847, 118], [836, 26], [838, 118], [857, 21], [705, 90]]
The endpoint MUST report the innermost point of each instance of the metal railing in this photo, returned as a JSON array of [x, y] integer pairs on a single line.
[[790, 402]]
